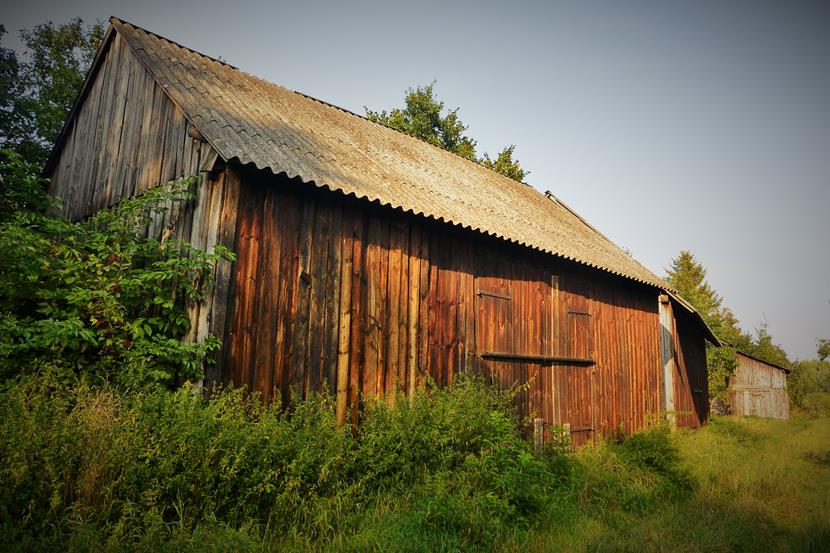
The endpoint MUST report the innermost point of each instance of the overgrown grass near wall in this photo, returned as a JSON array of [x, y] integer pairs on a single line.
[[89, 470]]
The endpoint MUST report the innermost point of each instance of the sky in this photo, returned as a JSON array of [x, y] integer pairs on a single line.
[[668, 125]]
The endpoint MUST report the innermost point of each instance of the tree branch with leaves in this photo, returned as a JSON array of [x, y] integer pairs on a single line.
[[37, 90], [425, 117]]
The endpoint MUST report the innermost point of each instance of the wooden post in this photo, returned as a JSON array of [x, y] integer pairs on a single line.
[[556, 347], [538, 434], [344, 326], [667, 357], [413, 285]]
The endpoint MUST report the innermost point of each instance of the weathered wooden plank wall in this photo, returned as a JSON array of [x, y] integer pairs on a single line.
[[126, 137], [758, 389], [691, 384], [331, 293]]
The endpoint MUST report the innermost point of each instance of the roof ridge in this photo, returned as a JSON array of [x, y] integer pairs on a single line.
[[756, 358], [113, 19], [551, 196]]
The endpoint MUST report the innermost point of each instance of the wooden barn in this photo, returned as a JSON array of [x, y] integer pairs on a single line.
[[369, 260], [759, 388]]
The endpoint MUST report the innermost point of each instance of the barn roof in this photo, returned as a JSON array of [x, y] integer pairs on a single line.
[[257, 123], [776, 365], [254, 122]]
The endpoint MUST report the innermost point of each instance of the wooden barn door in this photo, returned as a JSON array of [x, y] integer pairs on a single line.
[[512, 318], [494, 328], [527, 334], [576, 379]]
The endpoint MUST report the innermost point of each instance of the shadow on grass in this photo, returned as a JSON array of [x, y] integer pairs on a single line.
[[818, 457], [703, 524]]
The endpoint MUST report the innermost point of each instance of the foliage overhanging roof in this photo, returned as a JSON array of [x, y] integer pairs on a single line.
[[257, 123]]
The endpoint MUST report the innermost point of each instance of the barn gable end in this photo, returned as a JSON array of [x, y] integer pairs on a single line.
[[125, 136]]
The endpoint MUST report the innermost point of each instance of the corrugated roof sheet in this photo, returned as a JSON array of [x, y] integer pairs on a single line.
[[776, 365], [252, 121]]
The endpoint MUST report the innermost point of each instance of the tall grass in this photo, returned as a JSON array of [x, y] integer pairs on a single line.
[[87, 469], [155, 468], [756, 485]]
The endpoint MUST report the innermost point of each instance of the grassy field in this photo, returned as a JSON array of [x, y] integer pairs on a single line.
[[91, 470], [759, 485], [762, 485]]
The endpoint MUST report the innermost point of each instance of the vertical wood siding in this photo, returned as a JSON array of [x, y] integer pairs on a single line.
[[691, 384], [333, 294], [758, 389], [126, 137]]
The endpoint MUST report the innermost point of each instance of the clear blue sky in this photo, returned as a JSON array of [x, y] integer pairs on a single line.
[[667, 125]]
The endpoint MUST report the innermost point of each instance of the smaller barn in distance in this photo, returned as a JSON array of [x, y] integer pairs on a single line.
[[759, 388]]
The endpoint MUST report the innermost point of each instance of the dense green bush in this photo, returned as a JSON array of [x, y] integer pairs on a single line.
[[96, 299], [816, 404], [90, 465], [807, 384], [131, 466]]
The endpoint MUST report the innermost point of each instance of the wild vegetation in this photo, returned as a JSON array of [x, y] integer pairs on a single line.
[[107, 443], [96, 299], [88, 469]]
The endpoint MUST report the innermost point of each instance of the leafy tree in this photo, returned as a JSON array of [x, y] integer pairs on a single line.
[[424, 117], [688, 277], [505, 164], [808, 385], [763, 347], [10, 91], [20, 190], [809, 378], [95, 300], [37, 92]]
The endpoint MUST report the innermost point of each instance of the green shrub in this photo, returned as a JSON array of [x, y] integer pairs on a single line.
[[122, 468], [433, 430], [816, 404], [96, 300], [734, 430], [636, 474]]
